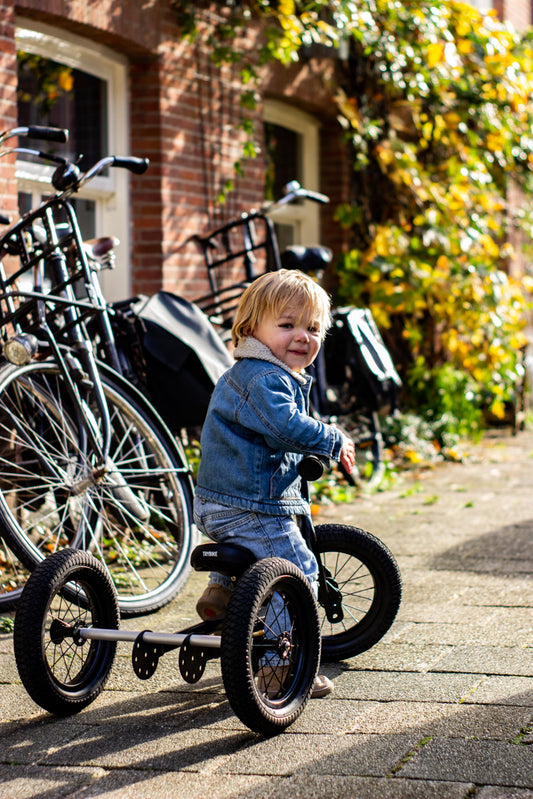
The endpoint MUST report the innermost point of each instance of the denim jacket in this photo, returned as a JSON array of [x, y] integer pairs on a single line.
[[257, 430]]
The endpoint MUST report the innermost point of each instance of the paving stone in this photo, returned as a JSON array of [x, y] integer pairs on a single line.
[[147, 745], [356, 755], [479, 762], [465, 634], [497, 792], [440, 719], [8, 669], [387, 686], [503, 691], [28, 782], [331, 787], [488, 660], [391, 655]]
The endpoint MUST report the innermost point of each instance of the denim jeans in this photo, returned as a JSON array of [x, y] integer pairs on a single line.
[[266, 536]]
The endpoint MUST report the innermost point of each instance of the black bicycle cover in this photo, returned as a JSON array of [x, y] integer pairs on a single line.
[[184, 357]]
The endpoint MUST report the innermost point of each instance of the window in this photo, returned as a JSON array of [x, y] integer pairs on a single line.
[[68, 82], [291, 145]]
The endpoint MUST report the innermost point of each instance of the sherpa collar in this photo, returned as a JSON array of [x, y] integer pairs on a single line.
[[251, 347]]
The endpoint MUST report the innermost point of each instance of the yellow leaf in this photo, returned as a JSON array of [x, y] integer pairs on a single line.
[[464, 46], [498, 409], [435, 54], [413, 456], [286, 7]]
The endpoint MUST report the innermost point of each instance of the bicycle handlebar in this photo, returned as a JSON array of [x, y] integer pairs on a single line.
[[136, 165], [311, 467], [49, 134], [293, 191], [37, 132], [68, 176]]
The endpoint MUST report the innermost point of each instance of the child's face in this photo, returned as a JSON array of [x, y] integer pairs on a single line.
[[293, 341]]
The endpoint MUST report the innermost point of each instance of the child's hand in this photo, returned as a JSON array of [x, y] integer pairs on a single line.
[[347, 456]]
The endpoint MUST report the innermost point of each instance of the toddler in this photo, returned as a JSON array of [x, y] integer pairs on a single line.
[[258, 428]]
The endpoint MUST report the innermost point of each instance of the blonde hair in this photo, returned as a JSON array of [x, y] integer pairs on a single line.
[[272, 293]]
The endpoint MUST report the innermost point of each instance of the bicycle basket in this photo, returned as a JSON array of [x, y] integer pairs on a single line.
[[183, 356], [355, 353], [235, 254], [41, 274]]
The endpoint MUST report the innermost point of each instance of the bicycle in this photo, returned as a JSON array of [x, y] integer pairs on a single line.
[[85, 460], [355, 381], [270, 641]]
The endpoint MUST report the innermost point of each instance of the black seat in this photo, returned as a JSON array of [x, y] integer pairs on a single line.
[[307, 259], [229, 559]]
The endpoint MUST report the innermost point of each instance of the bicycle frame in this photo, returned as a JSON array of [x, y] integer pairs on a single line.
[[58, 252]]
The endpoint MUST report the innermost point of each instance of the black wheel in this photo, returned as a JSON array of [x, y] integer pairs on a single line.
[[53, 494], [270, 647], [61, 671], [365, 573]]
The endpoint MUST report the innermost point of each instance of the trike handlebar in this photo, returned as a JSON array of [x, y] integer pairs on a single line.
[[311, 468]]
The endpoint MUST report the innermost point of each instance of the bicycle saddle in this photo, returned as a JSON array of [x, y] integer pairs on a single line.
[[229, 559], [307, 259]]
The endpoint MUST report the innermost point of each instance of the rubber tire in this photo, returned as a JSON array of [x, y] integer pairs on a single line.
[[371, 567], [39, 383], [32, 639], [240, 663]]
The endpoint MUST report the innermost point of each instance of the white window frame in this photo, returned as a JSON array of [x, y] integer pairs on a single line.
[[303, 217], [110, 192]]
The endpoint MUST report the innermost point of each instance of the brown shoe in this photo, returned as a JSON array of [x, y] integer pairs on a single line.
[[213, 602], [322, 686]]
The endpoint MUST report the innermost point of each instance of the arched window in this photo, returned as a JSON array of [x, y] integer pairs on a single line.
[[291, 142], [66, 81]]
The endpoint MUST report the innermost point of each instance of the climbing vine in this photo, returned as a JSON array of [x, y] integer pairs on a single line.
[[435, 99]]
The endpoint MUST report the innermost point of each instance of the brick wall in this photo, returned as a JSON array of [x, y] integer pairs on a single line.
[[8, 104], [184, 117], [517, 12]]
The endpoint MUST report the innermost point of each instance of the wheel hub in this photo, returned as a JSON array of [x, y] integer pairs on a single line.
[[59, 630], [285, 645]]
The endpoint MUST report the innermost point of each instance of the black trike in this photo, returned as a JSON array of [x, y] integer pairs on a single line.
[[270, 641]]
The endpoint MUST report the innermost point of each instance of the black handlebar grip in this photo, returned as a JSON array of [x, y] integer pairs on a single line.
[[136, 165], [49, 134], [4, 220], [311, 468]]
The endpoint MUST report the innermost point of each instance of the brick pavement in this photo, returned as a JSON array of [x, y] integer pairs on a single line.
[[442, 707]]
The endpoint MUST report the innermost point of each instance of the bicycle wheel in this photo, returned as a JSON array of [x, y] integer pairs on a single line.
[[54, 494], [270, 646], [62, 672], [365, 572]]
